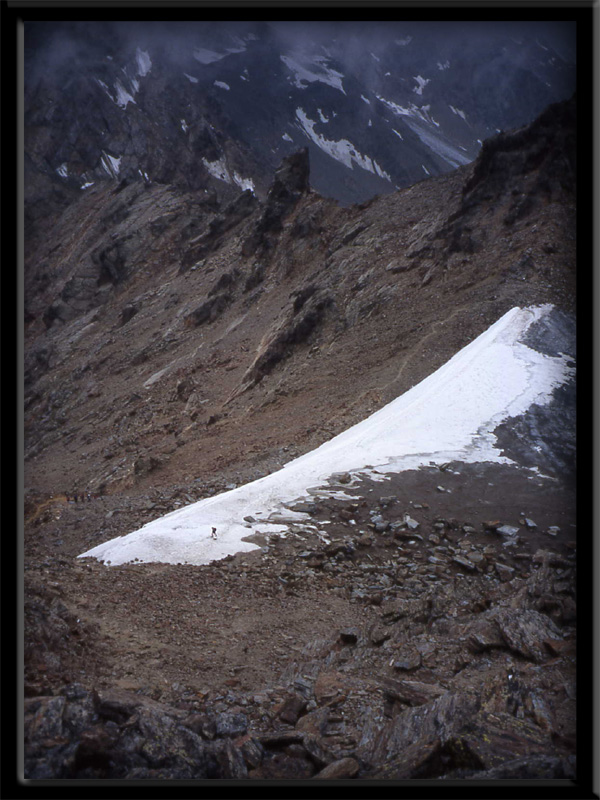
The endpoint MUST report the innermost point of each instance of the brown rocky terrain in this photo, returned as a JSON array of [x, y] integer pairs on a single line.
[[176, 345], [317, 653], [167, 336]]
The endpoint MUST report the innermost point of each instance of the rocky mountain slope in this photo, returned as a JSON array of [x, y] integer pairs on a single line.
[[178, 343], [167, 335]]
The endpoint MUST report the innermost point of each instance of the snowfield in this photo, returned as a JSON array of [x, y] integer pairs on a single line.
[[219, 169], [315, 70], [144, 62], [111, 164], [436, 143], [451, 415], [343, 150]]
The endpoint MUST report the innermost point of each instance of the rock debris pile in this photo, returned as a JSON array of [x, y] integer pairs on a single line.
[[450, 652]]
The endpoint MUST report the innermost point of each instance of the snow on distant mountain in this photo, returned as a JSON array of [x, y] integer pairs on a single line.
[[376, 112], [449, 416]]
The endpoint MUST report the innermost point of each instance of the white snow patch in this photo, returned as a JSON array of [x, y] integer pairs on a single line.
[[451, 415], [315, 70], [397, 134], [443, 65], [421, 83], [111, 164], [143, 62], [219, 169], [436, 142], [87, 185], [123, 96], [63, 170], [375, 57], [184, 126], [366, 99], [205, 56], [426, 170], [287, 137], [342, 151], [105, 88], [411, 110], [244, 183], [241, 46], [425, 109], [458, 112], [222, 85], [322, 116], [191, 78]]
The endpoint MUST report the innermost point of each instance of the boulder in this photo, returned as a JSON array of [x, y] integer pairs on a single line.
[[412, 693], [451, 734], [290, 709], [525, 632]]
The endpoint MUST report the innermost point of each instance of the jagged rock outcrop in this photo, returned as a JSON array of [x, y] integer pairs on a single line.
[[515, 173], [309, 307], [290, 183], [548, 146]]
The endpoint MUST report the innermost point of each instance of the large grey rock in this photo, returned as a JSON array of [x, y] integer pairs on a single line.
[[525, 631], [44, 718], [413, 693], [451, 734]]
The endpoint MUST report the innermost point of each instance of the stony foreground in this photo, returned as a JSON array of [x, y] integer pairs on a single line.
[[402, 641]]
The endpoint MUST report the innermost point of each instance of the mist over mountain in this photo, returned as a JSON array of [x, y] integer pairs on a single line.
[[379, 105]]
